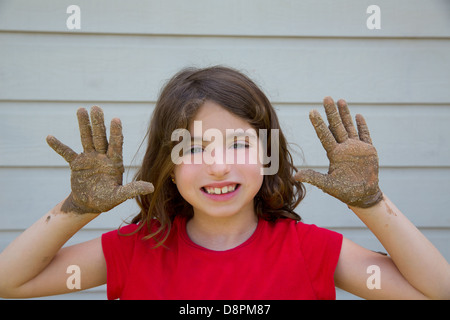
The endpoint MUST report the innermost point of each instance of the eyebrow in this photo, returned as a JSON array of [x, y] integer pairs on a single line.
[[234, 134]]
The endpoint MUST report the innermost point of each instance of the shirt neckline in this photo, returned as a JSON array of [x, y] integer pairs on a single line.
[[183, 233]]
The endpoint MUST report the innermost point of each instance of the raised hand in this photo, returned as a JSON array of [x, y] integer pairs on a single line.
[[96, 177], [353, 173]]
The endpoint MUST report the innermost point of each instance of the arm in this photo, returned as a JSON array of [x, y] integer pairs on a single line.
[[34, 264], [415, 268], [415, 258]]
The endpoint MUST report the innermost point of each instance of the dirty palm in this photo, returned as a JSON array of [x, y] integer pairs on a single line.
[[96, 179]]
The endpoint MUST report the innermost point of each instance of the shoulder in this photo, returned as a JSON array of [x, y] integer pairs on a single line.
[[311, 232], [304, 232], [132, 231], [125, 238], [119, 241], [123, 233]]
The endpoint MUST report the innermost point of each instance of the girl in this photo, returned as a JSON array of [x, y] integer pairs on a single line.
[[221, 230]]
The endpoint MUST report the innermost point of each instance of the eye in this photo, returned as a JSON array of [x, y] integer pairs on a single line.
[[240, 144], [196, 149]]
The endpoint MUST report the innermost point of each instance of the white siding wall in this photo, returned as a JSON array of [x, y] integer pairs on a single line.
[[298, 51]]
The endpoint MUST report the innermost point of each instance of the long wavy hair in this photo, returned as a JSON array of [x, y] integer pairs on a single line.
[[176, 107]]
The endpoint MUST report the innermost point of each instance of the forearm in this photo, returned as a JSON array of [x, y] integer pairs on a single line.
[[35, 248], [415, 257]]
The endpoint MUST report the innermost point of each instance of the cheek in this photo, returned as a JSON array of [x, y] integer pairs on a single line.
[[187, 171], [185, 177], [253, 176]]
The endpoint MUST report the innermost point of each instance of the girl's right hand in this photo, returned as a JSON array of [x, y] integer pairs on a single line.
[[96, 177]]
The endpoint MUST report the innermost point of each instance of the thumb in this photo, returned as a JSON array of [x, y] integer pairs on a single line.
[[134, 189], [64, 151], [315, 178]]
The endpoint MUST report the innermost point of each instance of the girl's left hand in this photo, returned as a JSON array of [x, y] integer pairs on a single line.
[[353, 173]]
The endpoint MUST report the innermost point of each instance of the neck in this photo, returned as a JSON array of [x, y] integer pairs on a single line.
[[221, 233]]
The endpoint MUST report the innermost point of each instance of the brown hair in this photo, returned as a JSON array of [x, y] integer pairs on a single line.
[[178, 103]]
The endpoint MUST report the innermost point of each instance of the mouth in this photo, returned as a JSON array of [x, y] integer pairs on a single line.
[[220, 192]]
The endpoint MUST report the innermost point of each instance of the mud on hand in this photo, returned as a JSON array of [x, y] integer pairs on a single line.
[[96, 177], [353, 172]]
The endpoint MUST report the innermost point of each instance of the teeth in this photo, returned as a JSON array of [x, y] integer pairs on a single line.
[[222, 190]]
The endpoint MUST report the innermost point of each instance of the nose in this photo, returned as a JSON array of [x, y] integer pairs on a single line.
[[218, 169], [217, 164]]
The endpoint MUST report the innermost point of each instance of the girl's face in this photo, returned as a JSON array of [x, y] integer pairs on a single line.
[[221, 178]]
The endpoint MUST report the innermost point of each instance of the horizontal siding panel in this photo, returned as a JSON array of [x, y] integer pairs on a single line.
[[344, 295], [403, 135], [422, 194], [25, 126], [401, 18], [28, 194], [133, 68]]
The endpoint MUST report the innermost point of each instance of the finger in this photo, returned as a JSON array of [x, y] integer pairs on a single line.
[[64, 151], [336, 126], [363, 130], [315, 178], [322, 131], [133, 189], [85, 130], [99, 130], [346, 117], [115, 142]]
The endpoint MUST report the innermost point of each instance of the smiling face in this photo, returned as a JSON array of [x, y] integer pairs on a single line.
[[220, 187]]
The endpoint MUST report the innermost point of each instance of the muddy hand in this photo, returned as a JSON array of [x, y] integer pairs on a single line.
[[96, 177], [353, 173]]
